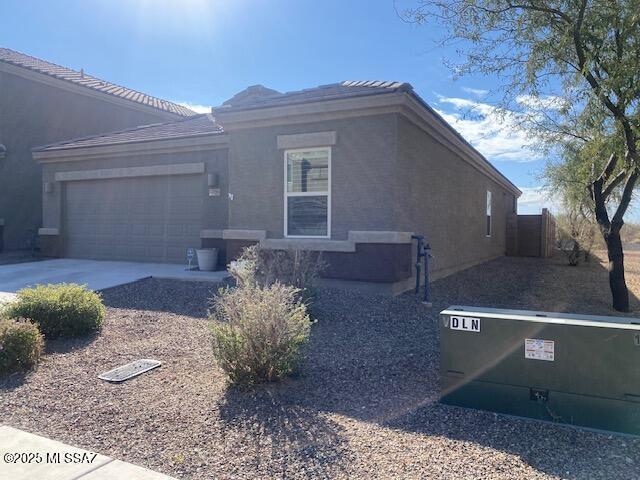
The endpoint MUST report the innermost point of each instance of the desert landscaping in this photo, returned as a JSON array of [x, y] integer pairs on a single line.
[[364, 404]]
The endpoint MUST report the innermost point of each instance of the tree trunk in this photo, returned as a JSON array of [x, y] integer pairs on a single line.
[[574, 256], [611, 228], [617, 282]]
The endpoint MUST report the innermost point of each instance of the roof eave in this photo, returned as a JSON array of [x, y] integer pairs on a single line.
[[222, 110], [183, 143], [51, 80]]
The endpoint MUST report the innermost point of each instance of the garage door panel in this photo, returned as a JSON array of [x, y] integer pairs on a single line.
[[180, 230], [184, 207], [175, 252], [137, 219]]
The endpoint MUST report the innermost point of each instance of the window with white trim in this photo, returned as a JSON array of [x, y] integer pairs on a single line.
[[488, 226], [307, 193]]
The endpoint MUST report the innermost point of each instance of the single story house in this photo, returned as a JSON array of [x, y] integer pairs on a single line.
[[42, 103], [351, 169]]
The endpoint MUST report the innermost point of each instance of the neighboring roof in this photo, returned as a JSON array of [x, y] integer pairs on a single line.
[[203, 124], [250, 95], [258, 96], [82, 79]]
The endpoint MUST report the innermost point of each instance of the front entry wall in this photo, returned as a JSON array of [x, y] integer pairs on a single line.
[[370, 262], [378, 185], [153, 219]]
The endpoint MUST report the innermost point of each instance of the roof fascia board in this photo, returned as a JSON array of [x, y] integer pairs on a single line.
[[150, 147], [86, 91], [283, 114]]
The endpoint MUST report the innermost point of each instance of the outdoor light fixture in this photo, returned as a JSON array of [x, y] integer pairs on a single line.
[[3, 151], [48, 187]]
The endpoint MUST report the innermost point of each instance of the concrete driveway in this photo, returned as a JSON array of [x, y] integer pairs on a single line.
[[96, 274]]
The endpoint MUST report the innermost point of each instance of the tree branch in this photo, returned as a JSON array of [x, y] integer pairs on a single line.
[[613, 184], [608, 168], [615, 109], [627, 193], [602, 216]]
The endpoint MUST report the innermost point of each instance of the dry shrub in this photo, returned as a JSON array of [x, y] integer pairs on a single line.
[[575, 236], [296, 268], [258, 332]]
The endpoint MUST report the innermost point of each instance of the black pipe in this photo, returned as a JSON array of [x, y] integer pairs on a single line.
[[427, 255], [419, 254], [423, 253]]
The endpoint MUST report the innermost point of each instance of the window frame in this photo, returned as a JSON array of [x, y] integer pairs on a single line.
[[488, 212], [288, 194]]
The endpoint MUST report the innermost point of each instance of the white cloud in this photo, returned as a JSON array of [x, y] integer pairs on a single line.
[[478, 92], [548, 102], [534, 199], [494, 132], [195, 107]]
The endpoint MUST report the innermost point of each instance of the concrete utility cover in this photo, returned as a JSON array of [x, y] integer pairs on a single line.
[[129, 370]]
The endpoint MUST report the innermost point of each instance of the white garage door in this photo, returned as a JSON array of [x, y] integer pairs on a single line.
[[150, 219]]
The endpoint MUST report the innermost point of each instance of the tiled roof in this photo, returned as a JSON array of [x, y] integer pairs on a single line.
[[203, 124], [83, 79], [333, 91]]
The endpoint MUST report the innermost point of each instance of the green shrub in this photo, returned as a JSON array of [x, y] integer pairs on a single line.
[[20, 345], [62, 310], [258, 332]]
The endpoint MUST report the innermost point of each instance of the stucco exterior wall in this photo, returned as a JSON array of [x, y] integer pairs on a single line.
[[362, 161], [444, 198], [387, 175], [34, 114]]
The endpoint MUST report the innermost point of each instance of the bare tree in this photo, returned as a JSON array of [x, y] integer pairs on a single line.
[[576, 234]]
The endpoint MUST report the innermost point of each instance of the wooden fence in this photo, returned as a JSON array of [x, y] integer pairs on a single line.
[[531, 235]]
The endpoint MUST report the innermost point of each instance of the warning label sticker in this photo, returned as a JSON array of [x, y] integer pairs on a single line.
[[537, 349]]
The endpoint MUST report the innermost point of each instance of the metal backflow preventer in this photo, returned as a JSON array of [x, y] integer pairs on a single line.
[[423, 254], [572, 369]]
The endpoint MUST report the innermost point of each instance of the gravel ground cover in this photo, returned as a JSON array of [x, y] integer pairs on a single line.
[[364, 405]]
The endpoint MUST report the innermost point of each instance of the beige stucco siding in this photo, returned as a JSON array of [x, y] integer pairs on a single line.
[[443, 198], [362, 162], [34, 114], [387, 175]]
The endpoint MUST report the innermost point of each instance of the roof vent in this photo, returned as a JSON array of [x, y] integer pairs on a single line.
[[82, 73]]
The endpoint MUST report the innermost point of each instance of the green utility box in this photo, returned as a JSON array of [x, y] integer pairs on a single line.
[[572, 369]]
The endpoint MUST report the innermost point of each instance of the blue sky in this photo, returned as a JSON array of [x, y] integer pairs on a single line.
[[201, 52]]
